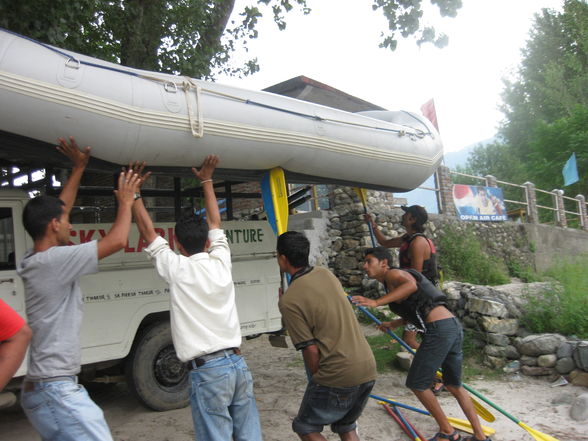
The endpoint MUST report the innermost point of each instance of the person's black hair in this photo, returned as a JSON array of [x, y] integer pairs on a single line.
[[380, 253], [296, 247], [39, 212], [419, 214], [192, 232]]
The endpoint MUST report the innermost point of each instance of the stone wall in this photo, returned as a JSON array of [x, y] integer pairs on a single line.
[[490, 313], [350, 235]]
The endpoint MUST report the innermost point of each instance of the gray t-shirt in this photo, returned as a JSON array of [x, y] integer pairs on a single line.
[[54, 306]]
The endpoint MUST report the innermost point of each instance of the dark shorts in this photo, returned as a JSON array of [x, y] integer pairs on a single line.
[[338, 406], [440, 348]]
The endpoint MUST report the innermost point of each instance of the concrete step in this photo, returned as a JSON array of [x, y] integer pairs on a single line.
[[307, 221]]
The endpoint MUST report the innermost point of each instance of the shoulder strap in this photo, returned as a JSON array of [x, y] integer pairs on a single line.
[[415, 235]]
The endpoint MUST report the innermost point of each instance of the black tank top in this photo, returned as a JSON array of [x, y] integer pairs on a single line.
[[429, 266], [416, 307]]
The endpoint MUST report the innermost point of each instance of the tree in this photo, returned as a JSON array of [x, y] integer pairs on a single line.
[[545, 106], [553, 76], [551, 146], [494, 159], [191, 37]]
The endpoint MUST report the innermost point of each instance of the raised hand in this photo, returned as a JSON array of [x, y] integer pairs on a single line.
[[207, 168], [70, 149], [368, 219], [137, 168], [128, 185]]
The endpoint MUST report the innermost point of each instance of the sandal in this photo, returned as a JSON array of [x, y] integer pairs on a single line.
[[453, 437], [473, 438]]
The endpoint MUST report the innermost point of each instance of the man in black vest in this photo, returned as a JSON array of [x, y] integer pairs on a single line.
[[417, 301], [416, 251]]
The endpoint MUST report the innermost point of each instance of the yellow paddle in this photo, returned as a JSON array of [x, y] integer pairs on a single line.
[[480, 409], [362, 193], [280, 198], [275, 199], [539, 436], [458, 423]]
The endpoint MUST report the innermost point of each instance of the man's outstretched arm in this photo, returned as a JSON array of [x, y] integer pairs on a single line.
[[80, 160], [205, 175], [118, 235], [140, 213]]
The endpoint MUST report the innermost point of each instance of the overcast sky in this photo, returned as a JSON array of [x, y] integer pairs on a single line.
[[337, 44]]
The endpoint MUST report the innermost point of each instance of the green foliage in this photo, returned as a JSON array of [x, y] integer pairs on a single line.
[[563, 310], [363, 318], [404, 18], [551, 146], [472, 366], [546, 110], [192, 37], [522, 271], [385, 350], [462, 258], [495, 159], [553, 76], [196, 38]]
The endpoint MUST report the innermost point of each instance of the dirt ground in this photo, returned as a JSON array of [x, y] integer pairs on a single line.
[[279, 384]]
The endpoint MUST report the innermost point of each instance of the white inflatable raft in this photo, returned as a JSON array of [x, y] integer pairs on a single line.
[[172, 121]]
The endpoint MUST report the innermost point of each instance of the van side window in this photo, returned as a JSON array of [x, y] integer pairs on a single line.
[[7, 257]]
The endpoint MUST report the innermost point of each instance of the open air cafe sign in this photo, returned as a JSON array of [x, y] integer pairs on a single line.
[[477, 203]]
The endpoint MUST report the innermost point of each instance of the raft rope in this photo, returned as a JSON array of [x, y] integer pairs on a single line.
[[196, 122]]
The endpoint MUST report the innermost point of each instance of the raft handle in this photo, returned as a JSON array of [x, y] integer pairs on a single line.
[[170, 87], [74, 66]]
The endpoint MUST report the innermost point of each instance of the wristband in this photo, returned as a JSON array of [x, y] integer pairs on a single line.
[[206, 180], [137, 196]]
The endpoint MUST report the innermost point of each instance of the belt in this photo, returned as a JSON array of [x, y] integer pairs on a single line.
[[29, 385], [200, 361]]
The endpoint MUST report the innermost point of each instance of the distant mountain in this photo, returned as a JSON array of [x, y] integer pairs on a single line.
[[460, 157]]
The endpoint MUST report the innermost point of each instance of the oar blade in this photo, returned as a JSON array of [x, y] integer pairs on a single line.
[[465, 426], [458, 423], [482, 411], [362, 194], [280, 198], [539, 436], [275, 199]]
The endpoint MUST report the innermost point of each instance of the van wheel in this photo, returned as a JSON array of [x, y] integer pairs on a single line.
[[154, 373]]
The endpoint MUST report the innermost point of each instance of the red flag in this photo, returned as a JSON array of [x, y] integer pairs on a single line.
[[428, 110]]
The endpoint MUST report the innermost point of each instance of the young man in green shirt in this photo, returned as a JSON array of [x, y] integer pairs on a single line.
[[322, 324]]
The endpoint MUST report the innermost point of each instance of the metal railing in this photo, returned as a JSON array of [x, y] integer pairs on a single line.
[[531, 206]]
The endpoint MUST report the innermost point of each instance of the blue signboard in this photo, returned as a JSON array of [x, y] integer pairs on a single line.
[[477, 203]]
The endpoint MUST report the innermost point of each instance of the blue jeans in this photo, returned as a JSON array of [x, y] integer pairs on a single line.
[[440, 348], [222, 400], [63, 411], [338, 406]]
